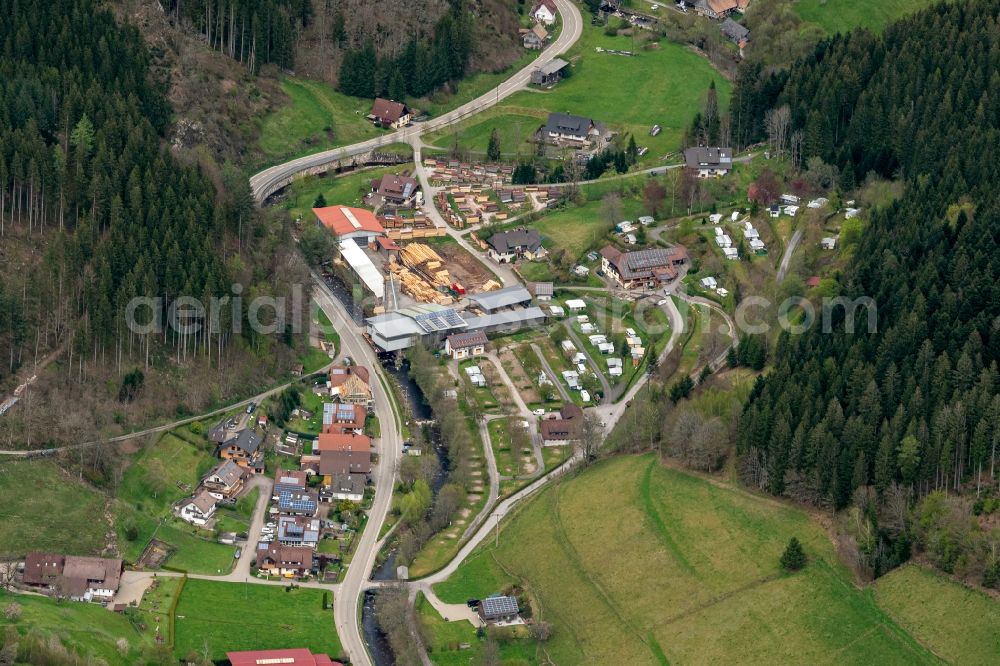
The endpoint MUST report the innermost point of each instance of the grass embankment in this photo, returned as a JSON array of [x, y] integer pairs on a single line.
[[957, 623], [159, 476], [843, 15], [44, 508], [316, 118], [86, 629], [635, 563], [216, 617], [347, 189]]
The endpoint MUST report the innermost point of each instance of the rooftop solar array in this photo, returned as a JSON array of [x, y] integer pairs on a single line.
[[496, 606], [288, 500], [646, 259], [441, 320]]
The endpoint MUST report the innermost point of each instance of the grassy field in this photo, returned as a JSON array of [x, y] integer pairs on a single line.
[[65, 515], [577, 229], [159, 476], [843, 15], [635, 563], [957, 623], [670, 83], [87, 629], [316, 118], [216, 617], [165, 472]]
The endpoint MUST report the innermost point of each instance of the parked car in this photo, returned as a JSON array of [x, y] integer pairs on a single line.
[[661, 302], [472, 603], [538, 412], [252, 406], [239, 553]]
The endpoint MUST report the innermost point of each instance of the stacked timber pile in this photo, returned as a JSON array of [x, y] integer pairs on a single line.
[[491, 285], [422, 274], [416, 286], [423, 260]]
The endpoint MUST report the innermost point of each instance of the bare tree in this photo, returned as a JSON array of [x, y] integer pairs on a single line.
[[611, 208], [777, 122], [591, 436]]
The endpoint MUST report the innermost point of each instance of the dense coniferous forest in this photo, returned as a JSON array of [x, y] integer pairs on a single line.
[[255, 32], [915, 405], [98, 208], [419, 68]]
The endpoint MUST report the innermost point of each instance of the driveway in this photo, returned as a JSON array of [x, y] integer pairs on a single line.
[[553, 377], [536, 438], [242, 569], [605, 386]]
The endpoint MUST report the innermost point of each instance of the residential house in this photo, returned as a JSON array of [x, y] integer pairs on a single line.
[[43, 569], [289, 657], [644, 268], [564, 428], [343, 454], [340, 417], [296, 503], [535, 38], [348, 441], [197, 510], [718, 9], [388, 113], [332, 463], [397, 190], [289, 480], [550, 73], [350, 384], [735, 32], [344, 487], [244, 449], [464, 345], [498, 609], [77, 578], [544, 12], [506, 246], [347, 223], [563, 127], [298, 531], [542, 291], [708, 162], [226, 480], [287, 561]]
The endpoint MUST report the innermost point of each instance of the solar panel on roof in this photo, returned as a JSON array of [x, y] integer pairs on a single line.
[[494, 606], [406, 190]]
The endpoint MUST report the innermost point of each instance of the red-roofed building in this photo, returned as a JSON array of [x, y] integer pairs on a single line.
[[343, 441], [290, 657], [387, 246], [346, 222], [389, 113]]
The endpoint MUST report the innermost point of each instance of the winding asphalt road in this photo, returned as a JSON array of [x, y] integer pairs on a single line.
[[347, 602], [267, 182]]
